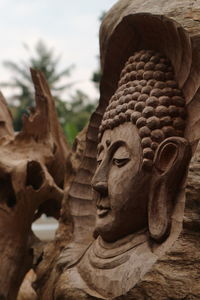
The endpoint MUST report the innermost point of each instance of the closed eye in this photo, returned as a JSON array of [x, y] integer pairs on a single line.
[[120, 162]]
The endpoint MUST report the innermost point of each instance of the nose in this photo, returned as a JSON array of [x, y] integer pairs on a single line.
[[101, 187], [100, 179]]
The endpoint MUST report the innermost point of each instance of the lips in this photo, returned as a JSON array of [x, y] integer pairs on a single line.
[[102, 211]]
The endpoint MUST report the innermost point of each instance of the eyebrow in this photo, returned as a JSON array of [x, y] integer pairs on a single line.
[[113, 147], [116, 145]]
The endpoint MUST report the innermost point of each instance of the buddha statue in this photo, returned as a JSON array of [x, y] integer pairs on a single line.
[[142, 128], [127, 200], [142, 160]]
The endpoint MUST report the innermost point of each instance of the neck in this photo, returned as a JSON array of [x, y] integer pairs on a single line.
[[104, 249]]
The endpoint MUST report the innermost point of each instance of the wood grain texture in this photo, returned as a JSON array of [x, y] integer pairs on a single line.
[[28, 165], [169, 277]]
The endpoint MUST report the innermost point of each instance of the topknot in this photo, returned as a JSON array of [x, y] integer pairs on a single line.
[[149, 97]]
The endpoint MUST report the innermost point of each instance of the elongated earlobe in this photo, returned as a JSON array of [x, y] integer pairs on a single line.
[[170, 166]]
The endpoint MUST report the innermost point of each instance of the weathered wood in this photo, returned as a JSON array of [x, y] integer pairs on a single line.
[[176, 274], [32, 172], [70, 274], [26, 291]]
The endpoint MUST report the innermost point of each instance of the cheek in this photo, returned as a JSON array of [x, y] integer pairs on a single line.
[[121, 182]]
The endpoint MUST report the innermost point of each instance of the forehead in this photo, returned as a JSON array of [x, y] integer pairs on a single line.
[[127, 132]]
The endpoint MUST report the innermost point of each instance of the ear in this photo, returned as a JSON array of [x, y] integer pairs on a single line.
[[170, 166]]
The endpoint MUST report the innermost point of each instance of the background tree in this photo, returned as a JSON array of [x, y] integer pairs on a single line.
[[78, 114], [73, 112]]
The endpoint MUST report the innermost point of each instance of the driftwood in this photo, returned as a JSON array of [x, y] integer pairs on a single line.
[[26, 291], [63, 273], [32, 171]]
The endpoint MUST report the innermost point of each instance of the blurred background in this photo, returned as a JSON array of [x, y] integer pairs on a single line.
[[60, 38]]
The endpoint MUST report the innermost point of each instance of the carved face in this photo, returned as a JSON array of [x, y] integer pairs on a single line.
[[120, 183]]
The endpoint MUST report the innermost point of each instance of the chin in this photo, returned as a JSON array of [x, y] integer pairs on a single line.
[[114, 227], [108, 228]]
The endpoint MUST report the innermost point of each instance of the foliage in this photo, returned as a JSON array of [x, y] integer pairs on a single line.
[[73, 114], [77, 114]]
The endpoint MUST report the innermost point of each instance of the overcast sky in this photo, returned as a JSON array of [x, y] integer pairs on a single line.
[[69, 26]]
